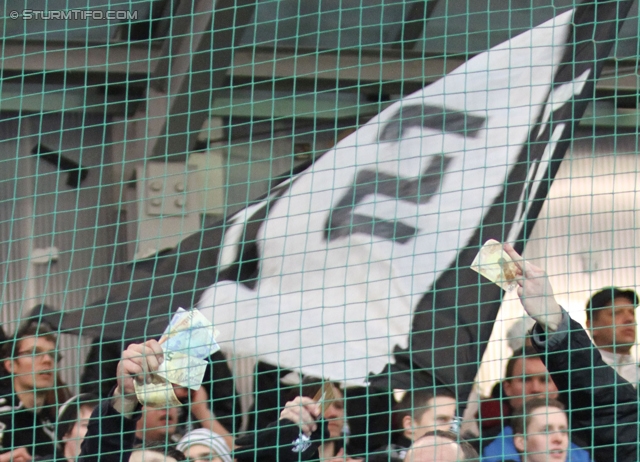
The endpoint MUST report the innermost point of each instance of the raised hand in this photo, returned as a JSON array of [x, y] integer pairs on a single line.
[[535, 292], [138, 362], [303, 412]]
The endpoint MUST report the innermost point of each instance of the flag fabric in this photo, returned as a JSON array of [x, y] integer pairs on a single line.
[[361, 263], [357, 268]]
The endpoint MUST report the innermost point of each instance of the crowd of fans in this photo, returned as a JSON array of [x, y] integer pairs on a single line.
[[563, 399]]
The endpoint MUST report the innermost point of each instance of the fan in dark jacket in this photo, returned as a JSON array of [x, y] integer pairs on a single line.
[[603, 406], [100, 372]]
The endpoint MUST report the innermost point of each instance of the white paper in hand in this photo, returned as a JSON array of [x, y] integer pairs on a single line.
[[496, 265], [187, 343], [157, 394], [183, 370]]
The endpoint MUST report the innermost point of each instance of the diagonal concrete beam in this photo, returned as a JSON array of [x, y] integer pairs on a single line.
[[414, 24], [198, 55]]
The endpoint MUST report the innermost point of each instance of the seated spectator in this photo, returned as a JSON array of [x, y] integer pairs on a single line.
[[421, 412], [306, 430], [157, 425], [111, 432], [204, 445], [301, 433], [417, 413], [541, 432], [611, 319], [111, 435], [5, 377], [333, 409], [526, 378], [99, 377], [162, 424], [494, 407], [366, 417], [25, 419], [270, 392], [440, 446], [73, 419]]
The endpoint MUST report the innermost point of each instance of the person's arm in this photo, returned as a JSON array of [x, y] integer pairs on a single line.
[[603, 406], [535, 292], [200, 410], [110, 435], [111, 432]]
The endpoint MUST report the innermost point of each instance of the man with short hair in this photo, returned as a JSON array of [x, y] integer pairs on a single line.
[[157, 425], [417, 413], [422, 411], [541, 431], [611, 319], [526, 378], [25, 421]]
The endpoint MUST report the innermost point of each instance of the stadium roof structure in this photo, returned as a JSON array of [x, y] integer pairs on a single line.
[[328, 60]]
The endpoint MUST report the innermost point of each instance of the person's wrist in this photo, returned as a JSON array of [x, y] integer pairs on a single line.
[[125, 404], [552, 318], [553, 322]]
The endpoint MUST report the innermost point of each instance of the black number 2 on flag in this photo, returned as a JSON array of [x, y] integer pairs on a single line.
[[344, 221]]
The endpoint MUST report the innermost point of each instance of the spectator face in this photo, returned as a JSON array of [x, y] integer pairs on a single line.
[[439, 414], [34, 364], [157, 424], [334, 414], [73, 439], [201, 453], [614, 327], [530, 380], [546, 439], [434, 449]]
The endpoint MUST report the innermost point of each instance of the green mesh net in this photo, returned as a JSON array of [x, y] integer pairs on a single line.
[[315, 178]]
